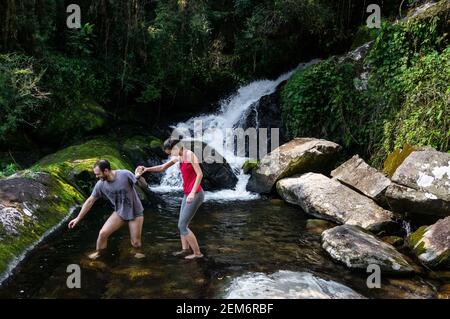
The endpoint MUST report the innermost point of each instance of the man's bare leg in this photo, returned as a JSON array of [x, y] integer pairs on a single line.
[[113, 223], [135, 226]]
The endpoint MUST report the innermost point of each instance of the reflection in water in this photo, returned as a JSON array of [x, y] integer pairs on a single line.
[[238, 238]]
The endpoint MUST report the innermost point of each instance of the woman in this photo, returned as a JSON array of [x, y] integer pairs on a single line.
[[193, 192]]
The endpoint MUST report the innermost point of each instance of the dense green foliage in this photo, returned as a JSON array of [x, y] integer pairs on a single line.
[[405, 98], [137, 60]]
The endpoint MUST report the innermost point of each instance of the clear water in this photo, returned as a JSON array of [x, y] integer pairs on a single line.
[[238, 238]]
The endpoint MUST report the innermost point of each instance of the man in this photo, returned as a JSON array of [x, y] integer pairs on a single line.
[[118, 186]]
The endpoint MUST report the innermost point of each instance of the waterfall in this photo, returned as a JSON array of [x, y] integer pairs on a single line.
[[230, 113]]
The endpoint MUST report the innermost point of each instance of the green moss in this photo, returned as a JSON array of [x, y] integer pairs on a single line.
[[249, 165], [401, 99], [395, 241], [74, 164], [415, 242], [396, 158]]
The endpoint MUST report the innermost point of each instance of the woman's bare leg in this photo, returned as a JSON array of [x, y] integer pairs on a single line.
[[192, 240]]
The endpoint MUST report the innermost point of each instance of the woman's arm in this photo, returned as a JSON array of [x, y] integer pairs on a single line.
[[193, 159], [162, 167]]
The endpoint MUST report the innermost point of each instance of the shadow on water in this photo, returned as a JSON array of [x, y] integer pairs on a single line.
[[236, 238]]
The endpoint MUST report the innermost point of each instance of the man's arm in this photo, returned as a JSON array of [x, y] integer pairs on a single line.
[[84, 210]]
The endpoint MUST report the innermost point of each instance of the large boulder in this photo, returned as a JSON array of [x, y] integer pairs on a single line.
[[431, 244], [31, 205], [74, 164], [422, 184], [326, 198], [358, 175], [217, 173], [144, 150], [298, 156], [287, 285], [358, 249], [33, 202]]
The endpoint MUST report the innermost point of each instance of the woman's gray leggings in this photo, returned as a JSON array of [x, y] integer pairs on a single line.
[[188, 211]]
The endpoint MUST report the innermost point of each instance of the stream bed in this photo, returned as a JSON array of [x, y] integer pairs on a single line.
[[244, 242]]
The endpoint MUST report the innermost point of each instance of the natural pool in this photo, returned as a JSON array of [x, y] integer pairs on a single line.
[[252, 238]]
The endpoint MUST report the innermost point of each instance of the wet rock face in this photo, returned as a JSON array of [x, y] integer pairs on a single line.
[[326, 198], [287, 285], [432, 244], [358, 249], [356, 174], [17, 197], [422, 184], [266, 114], [298, 156], [31, 204]]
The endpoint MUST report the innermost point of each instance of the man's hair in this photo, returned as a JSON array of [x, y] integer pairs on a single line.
[[102, 164]]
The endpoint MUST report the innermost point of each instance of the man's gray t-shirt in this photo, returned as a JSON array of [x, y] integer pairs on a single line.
[[121, 193]]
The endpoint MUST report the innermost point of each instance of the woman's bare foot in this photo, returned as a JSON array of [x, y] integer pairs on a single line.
[[94, 255], [181, 253], [193, 256]]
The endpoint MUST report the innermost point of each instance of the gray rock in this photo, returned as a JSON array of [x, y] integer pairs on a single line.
[[326, 198], [358, 175], [357, 249], [422, 184], [287, 285], [300, 155], [431, 244]]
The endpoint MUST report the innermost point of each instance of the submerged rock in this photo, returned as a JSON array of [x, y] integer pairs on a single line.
[[300, 155], [358, 249], [356, 174], [326, 198], [287, 285], [431, 244], [422, 184], [317, 226]]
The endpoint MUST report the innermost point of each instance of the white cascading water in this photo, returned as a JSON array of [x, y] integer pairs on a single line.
[[230, 114]]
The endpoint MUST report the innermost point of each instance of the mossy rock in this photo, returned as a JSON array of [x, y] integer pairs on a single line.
[[31, 204], [249, 165], [139, 149], [396, 158], [74, 163], [415, 242], [440, 9]]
